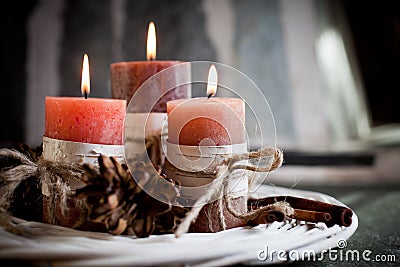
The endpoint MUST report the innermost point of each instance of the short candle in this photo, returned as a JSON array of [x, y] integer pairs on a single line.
[[202, 133], [206, 121]]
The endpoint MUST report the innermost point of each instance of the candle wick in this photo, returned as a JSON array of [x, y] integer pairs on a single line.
[[85, 95], [209, 96]]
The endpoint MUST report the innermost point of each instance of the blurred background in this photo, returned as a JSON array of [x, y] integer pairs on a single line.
[[329, 69]]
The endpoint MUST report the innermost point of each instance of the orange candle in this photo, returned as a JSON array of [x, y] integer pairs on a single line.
[[202, 133], [127, 77], [208, 122], [203, 121], [92, 120]]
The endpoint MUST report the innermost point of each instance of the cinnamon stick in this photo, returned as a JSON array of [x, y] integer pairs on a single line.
[[268, 216], [340, 215], [313, 216]]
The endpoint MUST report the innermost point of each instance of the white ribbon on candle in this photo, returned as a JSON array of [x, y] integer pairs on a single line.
[[138, 126], [75, 152], [204, 159], [201, 158]]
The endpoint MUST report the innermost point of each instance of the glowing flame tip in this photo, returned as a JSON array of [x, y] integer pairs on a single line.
[[151, 42], [212, 81], [85, 83]]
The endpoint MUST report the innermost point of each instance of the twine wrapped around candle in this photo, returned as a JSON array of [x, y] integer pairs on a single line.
[[264, 160]]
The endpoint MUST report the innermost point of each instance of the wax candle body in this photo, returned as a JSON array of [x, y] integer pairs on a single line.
[[92, 120], [207, 122], [127, 77], [201, 121]]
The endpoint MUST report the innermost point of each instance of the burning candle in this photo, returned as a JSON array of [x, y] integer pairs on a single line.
[[206, 121], [202, 133], [127, 77], [72, 123], [146, 114]]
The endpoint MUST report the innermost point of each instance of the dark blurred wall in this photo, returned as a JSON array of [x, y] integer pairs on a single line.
[[376, 34], [87, 29], [180, 26], [13, 21], [259, 51]]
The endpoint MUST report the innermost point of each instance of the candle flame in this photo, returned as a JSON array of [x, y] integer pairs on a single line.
[[151, 42], [212, 81], [85, 83]]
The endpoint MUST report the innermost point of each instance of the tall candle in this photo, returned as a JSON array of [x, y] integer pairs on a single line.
[[127, 77], [146, 112]]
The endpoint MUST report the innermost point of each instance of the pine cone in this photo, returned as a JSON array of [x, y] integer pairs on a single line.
[[27, 150], [26, 199], [115, 199]]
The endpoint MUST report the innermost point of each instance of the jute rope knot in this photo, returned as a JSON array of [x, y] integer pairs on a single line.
[[54, 178]]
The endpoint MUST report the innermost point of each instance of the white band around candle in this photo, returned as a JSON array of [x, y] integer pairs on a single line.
[[144, 124], [138, 126], [75, 152], [204, 159], [201, 158]]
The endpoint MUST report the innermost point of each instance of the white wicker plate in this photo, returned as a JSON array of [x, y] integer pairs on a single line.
[[65, 247]]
